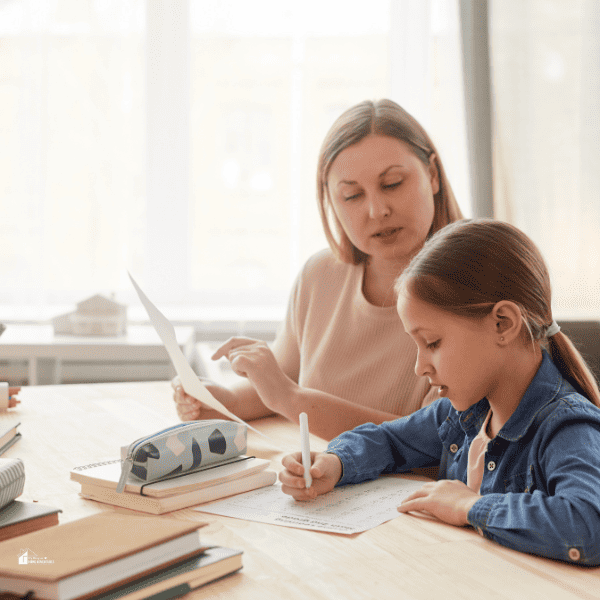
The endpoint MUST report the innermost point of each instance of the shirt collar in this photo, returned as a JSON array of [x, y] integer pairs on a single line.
[[542, 390]]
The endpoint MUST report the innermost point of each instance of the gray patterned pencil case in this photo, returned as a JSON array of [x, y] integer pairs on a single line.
[[183, 448], [12, 479]]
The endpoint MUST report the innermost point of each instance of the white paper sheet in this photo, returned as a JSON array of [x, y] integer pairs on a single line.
[[189, 380], [347, 509]]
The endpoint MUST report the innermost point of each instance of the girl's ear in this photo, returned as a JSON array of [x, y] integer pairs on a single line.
[[434, 174], [508, 321]]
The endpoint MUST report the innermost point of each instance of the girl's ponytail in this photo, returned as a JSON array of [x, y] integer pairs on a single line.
[[470, 265], [572, 367]]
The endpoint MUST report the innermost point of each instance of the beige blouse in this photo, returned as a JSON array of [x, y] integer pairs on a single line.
[[334, 341]]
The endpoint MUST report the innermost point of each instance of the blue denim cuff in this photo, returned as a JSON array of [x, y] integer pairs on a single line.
[[480, 512], [348, 465]]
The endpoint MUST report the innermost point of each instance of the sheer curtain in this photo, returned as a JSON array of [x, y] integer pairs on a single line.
[[545, 57], [72, 164], [179, 139]]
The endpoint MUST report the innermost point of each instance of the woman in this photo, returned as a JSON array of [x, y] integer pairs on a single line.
[[382, 192]]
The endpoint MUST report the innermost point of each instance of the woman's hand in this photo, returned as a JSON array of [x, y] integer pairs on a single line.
[[448, 500], [254, 360], [326, 471], [191, 409]]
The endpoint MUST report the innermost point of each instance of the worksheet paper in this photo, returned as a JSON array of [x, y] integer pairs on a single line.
[[189, 380], [348, 509]]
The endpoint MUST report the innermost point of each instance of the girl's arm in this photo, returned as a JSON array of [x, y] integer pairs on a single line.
[[369, 451], [392, 447], [560, 517]]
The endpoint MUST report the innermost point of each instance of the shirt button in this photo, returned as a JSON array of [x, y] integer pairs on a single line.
[[491, 465], [480, 531], [454, 448], [574, 554]]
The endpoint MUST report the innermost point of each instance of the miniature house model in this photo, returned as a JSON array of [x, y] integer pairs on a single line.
[[95, 316]]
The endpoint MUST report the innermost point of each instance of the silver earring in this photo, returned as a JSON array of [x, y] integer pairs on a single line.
[[501, 339]]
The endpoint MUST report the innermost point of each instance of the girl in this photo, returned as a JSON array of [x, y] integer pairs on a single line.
[[516, 430], [341, 354]]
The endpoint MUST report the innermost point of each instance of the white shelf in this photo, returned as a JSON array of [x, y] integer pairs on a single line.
[[139, 355]]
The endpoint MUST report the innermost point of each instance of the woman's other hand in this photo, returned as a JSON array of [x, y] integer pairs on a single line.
[[191, 409]]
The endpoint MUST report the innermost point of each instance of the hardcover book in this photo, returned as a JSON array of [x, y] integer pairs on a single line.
[[18, 518], [8, 436], [93, 554], [163, 504]]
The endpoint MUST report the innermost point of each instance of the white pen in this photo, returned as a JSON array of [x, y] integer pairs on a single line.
[[305, 443]]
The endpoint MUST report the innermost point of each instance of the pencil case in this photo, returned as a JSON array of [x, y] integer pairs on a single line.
[[181, 449], [12, 479]]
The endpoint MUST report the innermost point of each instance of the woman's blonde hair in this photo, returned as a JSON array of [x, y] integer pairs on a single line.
[[469, 266], [382, 117]]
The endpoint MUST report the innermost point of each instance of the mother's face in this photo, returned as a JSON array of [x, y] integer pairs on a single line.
[[382, 195]]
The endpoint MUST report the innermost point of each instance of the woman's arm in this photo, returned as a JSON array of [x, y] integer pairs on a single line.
[[328, 415]]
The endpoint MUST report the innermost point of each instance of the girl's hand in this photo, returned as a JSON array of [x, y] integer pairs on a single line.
[[326, 471], [254, 360], [191, 409], [448, 500]]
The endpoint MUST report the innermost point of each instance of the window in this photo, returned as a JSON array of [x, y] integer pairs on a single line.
[[546, 81], [180, 139], [72, 157]]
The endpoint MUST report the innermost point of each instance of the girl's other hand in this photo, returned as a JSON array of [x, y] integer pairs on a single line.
[[326, 471], [448, 500]]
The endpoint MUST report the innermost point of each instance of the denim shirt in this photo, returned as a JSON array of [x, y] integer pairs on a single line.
[[541, 481]]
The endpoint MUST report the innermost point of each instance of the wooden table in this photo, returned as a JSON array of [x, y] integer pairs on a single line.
[[409, 557]]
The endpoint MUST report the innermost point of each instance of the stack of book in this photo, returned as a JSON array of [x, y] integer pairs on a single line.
[[18, 518], [8, 436], [110, 556], [242, 474]]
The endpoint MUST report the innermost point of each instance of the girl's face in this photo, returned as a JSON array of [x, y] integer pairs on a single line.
[[382, 194], [459, 355]]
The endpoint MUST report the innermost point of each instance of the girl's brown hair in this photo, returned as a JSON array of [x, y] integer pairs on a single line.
[[387, 118], [470, 265]]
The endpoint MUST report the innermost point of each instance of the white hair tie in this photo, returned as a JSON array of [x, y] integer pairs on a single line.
[[553, 329]]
